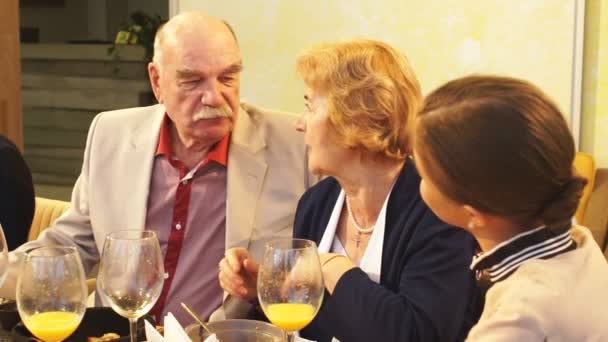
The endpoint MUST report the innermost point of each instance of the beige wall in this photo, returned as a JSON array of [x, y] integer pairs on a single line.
[[443, 39], [594, 138]]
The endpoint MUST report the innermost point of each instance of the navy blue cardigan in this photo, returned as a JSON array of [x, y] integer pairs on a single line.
[[426, 292]]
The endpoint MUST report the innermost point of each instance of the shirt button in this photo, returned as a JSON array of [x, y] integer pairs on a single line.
[[178, 226], [166, 275], [185, 182]]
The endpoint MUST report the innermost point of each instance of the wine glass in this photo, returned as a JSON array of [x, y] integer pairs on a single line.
[[290, 284], [131, 274], [52, 292], [3, 256]]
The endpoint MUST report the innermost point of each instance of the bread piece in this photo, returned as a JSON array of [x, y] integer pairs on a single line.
[[104, 338]]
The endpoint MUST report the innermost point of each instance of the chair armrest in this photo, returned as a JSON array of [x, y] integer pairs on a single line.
[[596, 214]]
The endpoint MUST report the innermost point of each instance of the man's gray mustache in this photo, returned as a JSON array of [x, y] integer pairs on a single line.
[[212, 113]]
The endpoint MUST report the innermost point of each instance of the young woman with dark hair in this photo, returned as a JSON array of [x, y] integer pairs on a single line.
[[495, 156]]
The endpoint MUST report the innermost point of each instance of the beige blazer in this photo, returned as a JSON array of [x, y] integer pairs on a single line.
[[267, 173]]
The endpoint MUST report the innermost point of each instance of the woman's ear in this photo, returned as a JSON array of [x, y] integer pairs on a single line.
[[475, 218]]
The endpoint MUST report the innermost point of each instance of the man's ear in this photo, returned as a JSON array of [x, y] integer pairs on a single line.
[[475, 217], [154, 75]]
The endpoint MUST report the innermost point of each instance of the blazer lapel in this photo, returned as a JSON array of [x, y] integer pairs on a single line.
[[246, 172], [140, 162]]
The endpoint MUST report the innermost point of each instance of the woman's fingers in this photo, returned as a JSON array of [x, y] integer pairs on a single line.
[[235, 257], [241, 283], [251, 267], [230, 281]]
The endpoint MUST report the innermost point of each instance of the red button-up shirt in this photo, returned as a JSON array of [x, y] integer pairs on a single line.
[[187, 209]]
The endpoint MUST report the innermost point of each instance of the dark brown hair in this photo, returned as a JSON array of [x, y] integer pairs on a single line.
[[502, 146]]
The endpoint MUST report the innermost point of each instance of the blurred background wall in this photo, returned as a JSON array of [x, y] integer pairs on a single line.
[[444, 39], [594, 137]]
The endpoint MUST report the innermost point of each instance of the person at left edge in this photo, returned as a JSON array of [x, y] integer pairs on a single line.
[[17, 202]]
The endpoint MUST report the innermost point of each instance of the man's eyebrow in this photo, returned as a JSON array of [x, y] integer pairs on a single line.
[[185, 73], [234, 68]]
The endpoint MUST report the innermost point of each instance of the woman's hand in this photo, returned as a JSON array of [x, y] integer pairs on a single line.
[[334, 266], [238, 274]]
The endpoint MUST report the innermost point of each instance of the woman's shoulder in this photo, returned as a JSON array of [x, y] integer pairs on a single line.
[[568, 271], [315, 206], [542, 297], [570, 280], [324, 190], [406, 207]]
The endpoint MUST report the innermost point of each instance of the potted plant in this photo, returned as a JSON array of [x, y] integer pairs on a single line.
[[140, 30]]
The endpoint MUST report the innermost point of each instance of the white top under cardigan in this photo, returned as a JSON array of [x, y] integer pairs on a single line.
[[371, 262]]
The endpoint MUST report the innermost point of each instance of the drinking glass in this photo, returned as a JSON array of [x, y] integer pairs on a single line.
[[131, 274], [3, 256], [290, 284], [51, 292]]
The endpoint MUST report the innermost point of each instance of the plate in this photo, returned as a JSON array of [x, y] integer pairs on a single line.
[[95, 323]]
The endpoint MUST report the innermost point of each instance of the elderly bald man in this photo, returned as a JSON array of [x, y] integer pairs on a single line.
[[202, 170]]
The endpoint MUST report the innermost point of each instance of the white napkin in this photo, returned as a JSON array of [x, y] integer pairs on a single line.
[[152, 335], [173, 331], [212, 338]]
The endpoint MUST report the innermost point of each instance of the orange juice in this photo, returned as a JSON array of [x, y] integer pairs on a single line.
[[53, 326], [290, 316]]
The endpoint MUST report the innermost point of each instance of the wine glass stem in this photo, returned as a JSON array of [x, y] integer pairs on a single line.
[[133, 329], [291, 336]]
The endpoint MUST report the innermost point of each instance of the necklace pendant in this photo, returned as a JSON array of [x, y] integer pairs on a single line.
[[351, 218], [357, 239]]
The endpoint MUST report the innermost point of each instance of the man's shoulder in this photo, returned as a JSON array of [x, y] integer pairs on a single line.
[[277, 129], [268, 117], [133, 114], [125, 122]]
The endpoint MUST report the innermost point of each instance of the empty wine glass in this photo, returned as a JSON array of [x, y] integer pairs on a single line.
[[290, 284], [52, 292], [131, 274], [3, 256]]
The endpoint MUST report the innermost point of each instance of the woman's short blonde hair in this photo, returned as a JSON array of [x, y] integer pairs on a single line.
[[372, 93]]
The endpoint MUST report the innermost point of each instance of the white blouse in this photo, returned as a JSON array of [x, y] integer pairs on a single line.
[[371, 261]]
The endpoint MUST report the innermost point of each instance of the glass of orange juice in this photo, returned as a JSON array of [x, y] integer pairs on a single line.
[[290, 284], [52, 292]]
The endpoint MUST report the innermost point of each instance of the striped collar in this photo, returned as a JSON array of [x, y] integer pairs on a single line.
[[501, 261]]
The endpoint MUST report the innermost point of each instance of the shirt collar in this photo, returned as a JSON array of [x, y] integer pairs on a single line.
[[218, 153], [501, 261]]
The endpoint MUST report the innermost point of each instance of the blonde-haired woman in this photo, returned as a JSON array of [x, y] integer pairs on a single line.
[[495, 155], [393, 271]]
